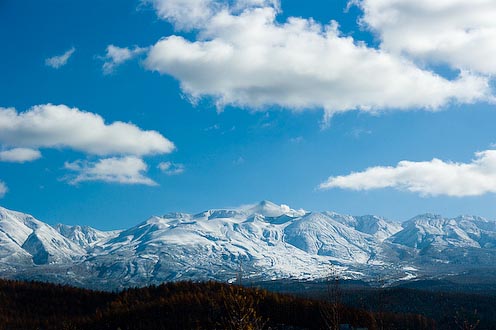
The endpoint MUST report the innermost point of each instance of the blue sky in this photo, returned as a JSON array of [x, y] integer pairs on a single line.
[[272, 110]]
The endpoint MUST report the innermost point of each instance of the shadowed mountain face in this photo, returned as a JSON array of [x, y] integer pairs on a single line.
[[266, 241]]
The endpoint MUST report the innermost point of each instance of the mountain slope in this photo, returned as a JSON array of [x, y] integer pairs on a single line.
[[25, 240], [433, 231]]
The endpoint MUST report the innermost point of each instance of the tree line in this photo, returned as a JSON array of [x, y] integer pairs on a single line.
[[180, 305]]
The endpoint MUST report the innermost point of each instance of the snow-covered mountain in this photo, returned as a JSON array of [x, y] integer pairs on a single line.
[[27, 241], [263, 241], [85, 236], [433, 231]]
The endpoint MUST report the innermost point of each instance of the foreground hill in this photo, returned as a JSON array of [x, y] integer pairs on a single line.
[[264, 241]]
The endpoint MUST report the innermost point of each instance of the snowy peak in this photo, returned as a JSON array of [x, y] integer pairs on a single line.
[[426, 218], [265, 209], [433, 231], [21, 234], [85, 236], [218, 214], [373, 225], [272, 210], [327, 235], [377, 226], [15, 225], [480, 222]]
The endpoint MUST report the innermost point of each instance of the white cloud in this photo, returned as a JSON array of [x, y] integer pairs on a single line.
[[184, 14], [239, 161], [250, 60], [58, 126], [296, 139], [428, 178], [116, 56], [170, 168], [124, 170], [460, 33], [194, 14], [357, 132], [19, 155], [3, 189], [59, 61], [215, 127]]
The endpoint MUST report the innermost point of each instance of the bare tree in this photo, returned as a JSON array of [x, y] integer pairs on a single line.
[[241, 311], [239, 273], [381, 303], [463, 322], [330, 311]]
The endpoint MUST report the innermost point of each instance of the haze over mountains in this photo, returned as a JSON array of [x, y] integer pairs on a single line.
[[266, 241]]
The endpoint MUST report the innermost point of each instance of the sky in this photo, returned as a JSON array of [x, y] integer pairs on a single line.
[[114, 111]]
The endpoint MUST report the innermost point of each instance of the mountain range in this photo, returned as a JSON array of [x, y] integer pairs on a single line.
[[260, 242]]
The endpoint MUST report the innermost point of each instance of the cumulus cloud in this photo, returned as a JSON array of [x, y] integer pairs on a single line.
[[170, 168], [61, 60], [184, 14], [428, 178], [195, 14], [58, 126], [116, 56], [19, 155], [250, 60], [123, 170], [460, 33], [3, 189]]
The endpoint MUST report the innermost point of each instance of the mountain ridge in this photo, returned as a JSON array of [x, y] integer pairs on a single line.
[[267, 240]]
